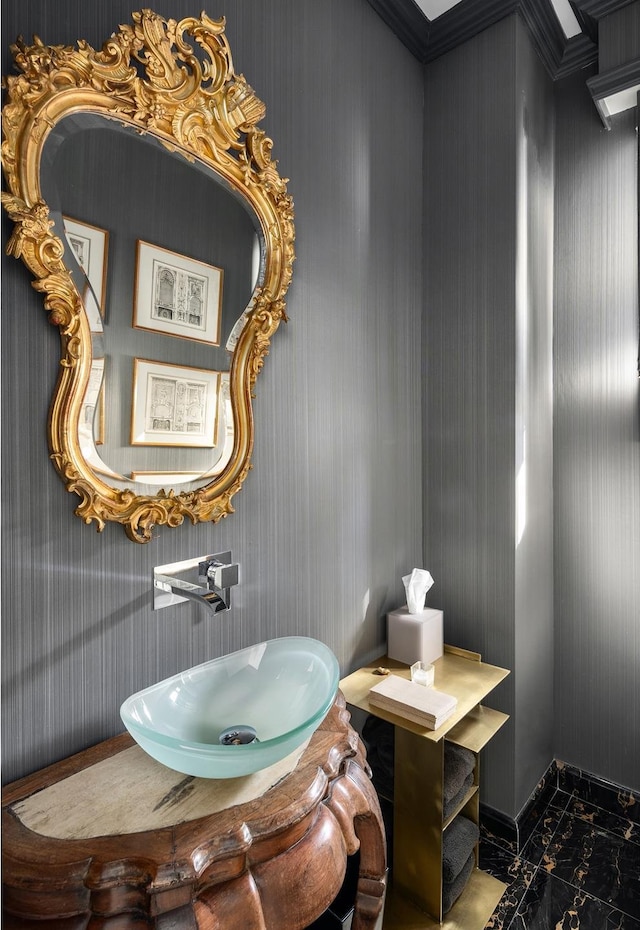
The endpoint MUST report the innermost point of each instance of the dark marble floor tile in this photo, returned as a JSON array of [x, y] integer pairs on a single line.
[[551, 904], [513, 838], [619, 826], [504, 866], [497, 837], [577, 863], [561, 799], [517, 875], [544, 797], [543, 836], [596, 862]]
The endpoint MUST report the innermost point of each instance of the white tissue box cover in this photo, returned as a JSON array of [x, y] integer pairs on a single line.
[[413, 637]]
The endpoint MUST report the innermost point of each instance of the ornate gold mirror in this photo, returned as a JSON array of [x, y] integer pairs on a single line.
[[148, 207]]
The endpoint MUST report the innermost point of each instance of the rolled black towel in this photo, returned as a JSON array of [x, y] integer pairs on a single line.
[[379, 733], [378, 737], [451, 891], [460, 837], [458, 762], [455, 801]]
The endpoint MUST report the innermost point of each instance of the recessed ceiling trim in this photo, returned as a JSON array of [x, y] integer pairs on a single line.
[[615, 90], [434, 8], [567, 18], [560, 55]]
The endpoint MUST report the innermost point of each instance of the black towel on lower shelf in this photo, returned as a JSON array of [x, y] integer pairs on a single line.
[[379, 739], [458, 762], [379, 734], [455, 801], [451, 891], [460, 837]]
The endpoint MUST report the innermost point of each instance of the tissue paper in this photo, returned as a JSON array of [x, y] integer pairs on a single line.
[[416, 585]]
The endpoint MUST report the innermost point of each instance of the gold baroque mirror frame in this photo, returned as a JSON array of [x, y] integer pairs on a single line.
[[172, 82]]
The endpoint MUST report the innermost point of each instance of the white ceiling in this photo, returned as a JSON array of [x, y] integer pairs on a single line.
[[570, 25]]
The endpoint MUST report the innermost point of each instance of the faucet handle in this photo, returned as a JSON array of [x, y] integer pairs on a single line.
[[218, 571], [223, 576]]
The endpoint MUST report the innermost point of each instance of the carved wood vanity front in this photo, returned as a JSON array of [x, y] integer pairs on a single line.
[[273, 862]]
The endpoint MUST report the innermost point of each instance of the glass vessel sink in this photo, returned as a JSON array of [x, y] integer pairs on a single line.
[[239, 713]]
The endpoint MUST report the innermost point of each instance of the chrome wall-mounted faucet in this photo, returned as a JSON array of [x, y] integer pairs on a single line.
[[207, 579]]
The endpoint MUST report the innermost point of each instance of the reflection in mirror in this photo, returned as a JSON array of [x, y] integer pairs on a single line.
[[182, 263], [160, 234]]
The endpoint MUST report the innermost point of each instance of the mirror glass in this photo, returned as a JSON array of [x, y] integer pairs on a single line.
[[166, 257], [152, 217]]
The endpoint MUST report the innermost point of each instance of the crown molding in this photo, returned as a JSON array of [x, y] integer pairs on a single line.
[[561, 56], [429, 39], [463, 22], [599, 8], [606, 86], [407, 22]]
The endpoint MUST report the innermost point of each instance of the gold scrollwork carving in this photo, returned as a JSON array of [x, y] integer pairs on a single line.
[[149, 76]]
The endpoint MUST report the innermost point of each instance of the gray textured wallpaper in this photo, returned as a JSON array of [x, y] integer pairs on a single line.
[[487, 366], [329, 518], [388, 288], [597, 443], [551, 590]]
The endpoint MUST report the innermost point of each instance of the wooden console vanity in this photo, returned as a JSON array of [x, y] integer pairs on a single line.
[[111, 839]]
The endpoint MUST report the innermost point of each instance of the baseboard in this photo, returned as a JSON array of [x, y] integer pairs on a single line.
[[516, 830], [499, 827], [560, 776], [616, 799]]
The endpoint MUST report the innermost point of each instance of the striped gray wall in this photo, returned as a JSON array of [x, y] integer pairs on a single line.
[[561, 609], [597, 442], [487, 374], [534, 617], [330, 517]]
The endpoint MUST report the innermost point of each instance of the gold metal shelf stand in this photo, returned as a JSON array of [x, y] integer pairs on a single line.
[[414, 898]]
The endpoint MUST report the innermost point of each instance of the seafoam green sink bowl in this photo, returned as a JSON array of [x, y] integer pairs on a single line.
[[282, 689]]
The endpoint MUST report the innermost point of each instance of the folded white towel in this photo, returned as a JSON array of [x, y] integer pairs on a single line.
[[424, 706]]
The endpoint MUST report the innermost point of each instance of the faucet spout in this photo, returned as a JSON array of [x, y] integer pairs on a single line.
[[207, 597], [212, 578]]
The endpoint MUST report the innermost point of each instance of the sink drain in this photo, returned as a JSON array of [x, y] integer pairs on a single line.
[[238, 736]]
